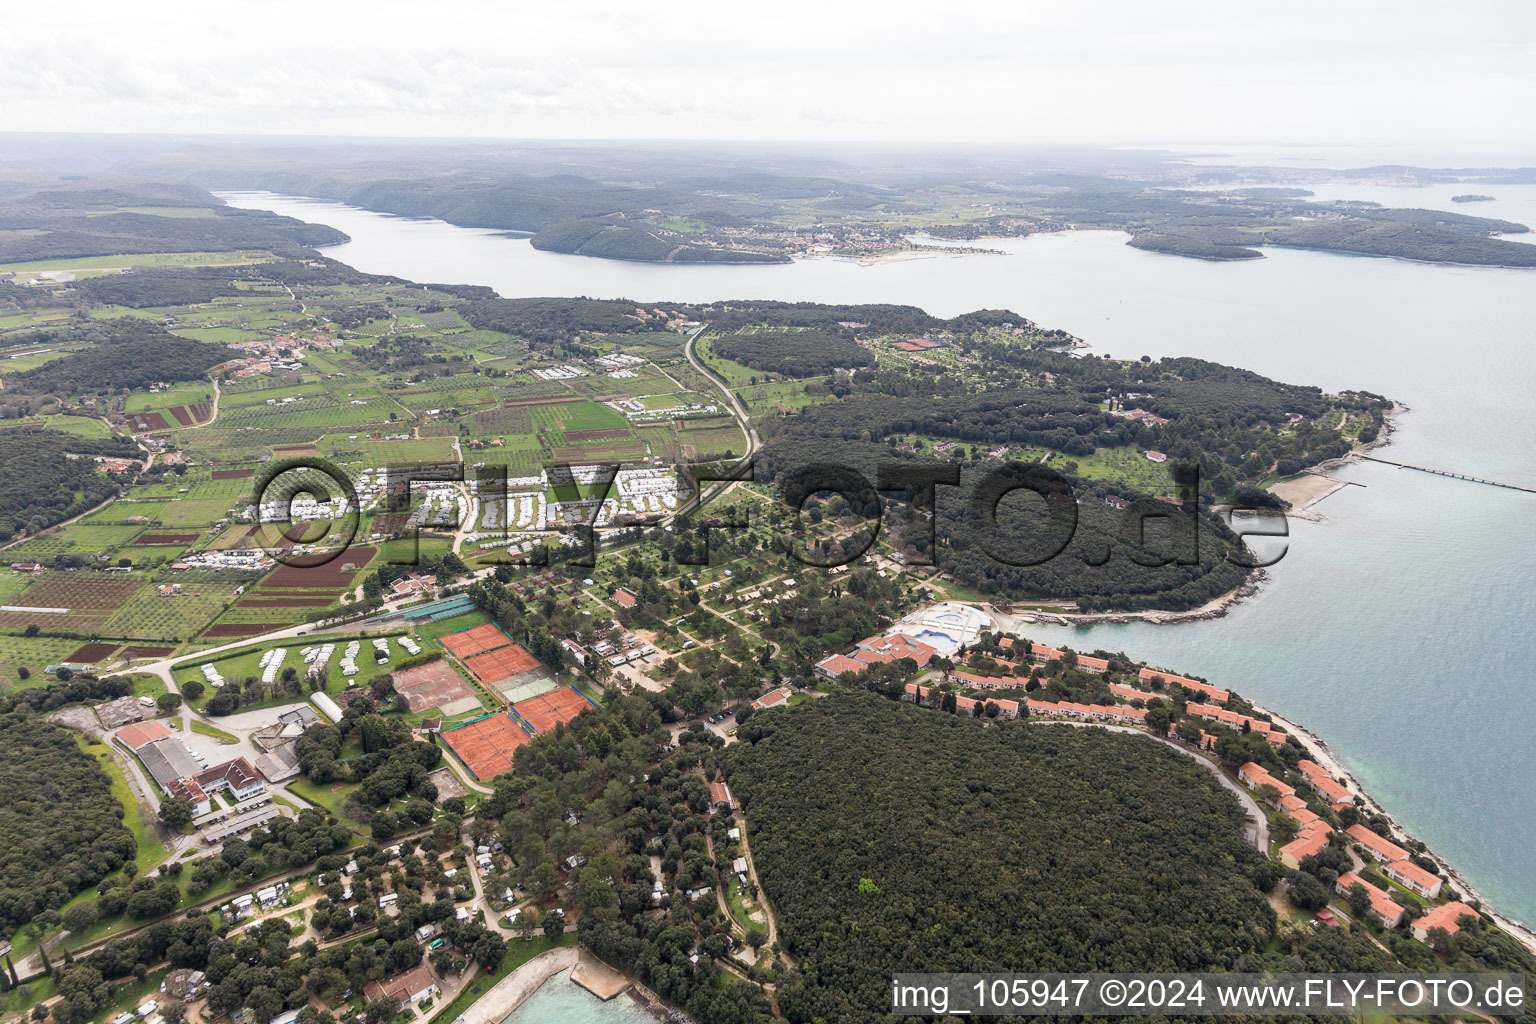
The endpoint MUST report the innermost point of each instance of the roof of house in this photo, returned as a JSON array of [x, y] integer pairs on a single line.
[[718, 793], [1445, 916], [140, 733], [1385, 849], [1312, 770], [1415, 874], [893, 646], [401, 986], [1311, 840], [837, 664], [1044, 651], [1332, 790], [238, 773], [1088, 661], [186, 789], [773, 698], [623, 598], [1220, 696], [1381, 903]]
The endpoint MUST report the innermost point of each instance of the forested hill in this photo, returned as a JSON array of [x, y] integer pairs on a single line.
[[118, 355], [72, 219], [891, 838], [44, 484]]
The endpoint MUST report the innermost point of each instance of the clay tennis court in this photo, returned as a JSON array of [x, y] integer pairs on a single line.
[[486, 746], [560, 705], [431, 685], [501, 663], [477, 639]]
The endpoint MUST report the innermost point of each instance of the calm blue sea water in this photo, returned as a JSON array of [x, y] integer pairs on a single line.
[[561, 1001], [1400, 632]]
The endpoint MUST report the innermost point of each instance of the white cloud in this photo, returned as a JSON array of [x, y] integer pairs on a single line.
[[1090, 71]]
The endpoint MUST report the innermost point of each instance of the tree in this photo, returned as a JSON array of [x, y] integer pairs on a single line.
[[176, 812], [554, 922], [79, 917], [1158, 719], [489, 950], [192, 689], [222, 703], [168, 702], [384, 825], [1359, 901]]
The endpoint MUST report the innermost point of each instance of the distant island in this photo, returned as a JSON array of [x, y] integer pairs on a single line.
[[1472, 197]]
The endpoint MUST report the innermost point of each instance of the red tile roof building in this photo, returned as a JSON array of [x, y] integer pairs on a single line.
[[139, 733], [1148, 675], [1414, 878], [772, 699], [237, 776], [623, 598], [885, 649], [1311, 841], [1383, 908], [412, 986], [1446, 915], [1383, 850], [837, 664]]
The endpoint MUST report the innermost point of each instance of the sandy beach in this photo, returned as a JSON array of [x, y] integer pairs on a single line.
[[1305, 491]]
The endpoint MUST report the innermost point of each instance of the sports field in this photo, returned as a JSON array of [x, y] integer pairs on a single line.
[[543, 712], [467, 643], [500, 663], [486, 746]]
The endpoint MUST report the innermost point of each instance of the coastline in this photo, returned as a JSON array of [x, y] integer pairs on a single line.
[[508, 994], [1319, 751], [1220, 606]]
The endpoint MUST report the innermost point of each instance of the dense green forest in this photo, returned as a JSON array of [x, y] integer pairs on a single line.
[[61, 829], [801, 353], [161, 286], [43, 486], [120, 355], [1229, 426], [1005, 848], [891, 838]]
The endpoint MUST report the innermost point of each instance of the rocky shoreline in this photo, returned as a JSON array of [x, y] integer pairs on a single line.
[[1319, 751]]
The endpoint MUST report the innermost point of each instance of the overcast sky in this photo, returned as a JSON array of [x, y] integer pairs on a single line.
[[1074, 71]]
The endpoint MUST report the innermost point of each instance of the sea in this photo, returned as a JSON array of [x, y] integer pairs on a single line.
[[561, 1001], [1399, 630]]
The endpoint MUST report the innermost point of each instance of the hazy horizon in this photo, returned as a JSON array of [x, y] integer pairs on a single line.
[[1374, 73]]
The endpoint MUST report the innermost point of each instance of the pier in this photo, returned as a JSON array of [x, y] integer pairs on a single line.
[[1453, 476]]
